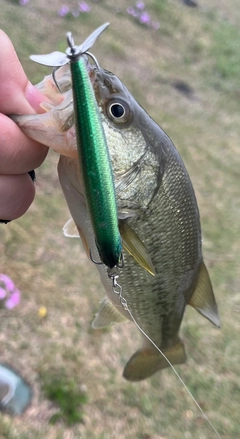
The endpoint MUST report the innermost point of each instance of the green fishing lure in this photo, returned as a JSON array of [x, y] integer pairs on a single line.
[[94, 159]]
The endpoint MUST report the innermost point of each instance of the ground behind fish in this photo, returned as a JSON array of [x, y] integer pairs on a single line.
[[186, 75]]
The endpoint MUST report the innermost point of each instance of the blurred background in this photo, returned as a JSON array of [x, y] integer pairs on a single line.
[[181, 60]]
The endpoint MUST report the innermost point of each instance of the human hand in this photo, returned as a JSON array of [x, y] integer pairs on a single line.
[[18, 153]]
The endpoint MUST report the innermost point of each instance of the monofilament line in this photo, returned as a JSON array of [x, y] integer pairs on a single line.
[[125, 305], [117, 289]]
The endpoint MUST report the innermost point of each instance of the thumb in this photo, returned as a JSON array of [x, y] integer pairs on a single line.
[[18, 95]]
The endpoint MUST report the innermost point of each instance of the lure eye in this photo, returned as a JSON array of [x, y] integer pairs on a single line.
[[118, 111]]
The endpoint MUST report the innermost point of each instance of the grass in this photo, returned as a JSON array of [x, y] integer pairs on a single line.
[[60, 355], [64, 392]]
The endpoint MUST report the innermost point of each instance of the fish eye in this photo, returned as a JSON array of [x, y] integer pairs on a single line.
[[118, 111]]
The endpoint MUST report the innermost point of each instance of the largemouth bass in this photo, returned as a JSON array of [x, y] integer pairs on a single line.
[[156, 207]]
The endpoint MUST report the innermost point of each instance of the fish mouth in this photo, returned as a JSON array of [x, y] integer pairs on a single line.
[[57, 86], [54, 126]]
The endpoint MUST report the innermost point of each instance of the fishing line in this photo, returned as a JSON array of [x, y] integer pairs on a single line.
[[174, 370], [117, 289]]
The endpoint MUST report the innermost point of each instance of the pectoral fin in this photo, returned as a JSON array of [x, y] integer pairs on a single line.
[[135, 247], [146, 362], [70, 229], [203, 299], [107, 315]]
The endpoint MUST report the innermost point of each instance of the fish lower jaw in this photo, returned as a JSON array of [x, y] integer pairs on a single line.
[[71, 153]]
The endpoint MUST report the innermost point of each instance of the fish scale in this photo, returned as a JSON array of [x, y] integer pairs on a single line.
[[157, 296]]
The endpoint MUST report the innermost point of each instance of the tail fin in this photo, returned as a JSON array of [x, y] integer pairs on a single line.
[[145, 362]]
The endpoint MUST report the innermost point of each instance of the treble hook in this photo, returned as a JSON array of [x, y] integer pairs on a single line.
[[95, 262], [94, 60], [55, 79]]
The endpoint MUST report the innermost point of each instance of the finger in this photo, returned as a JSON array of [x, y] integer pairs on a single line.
[[18, 153], [17, 94], [16, 195]]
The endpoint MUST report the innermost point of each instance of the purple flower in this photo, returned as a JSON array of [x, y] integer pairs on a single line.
[[23, 2], [144, 18], [84, 7], [2, 293], [140, 5], [64, 10], [9, 294], [132, 11], [13, 300], [7, 282]]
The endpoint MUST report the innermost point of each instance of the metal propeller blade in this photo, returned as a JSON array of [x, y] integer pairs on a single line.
[[58, 59], [89, 42], [54, 59]]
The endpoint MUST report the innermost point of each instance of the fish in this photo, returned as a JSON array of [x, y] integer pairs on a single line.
[[158, 216]]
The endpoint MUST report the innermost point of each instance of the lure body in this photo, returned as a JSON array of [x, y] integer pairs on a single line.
[[95, 165]]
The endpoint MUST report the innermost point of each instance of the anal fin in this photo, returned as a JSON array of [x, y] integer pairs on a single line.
[[203, 299], [145, 362], [107, 315]]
